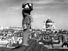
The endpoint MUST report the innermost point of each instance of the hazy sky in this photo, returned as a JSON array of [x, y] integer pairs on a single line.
[[57, 10]]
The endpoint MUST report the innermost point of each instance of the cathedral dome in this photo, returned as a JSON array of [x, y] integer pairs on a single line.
[[49, 21]]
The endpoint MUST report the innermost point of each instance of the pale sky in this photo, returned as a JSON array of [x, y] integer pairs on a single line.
[[57, 10]]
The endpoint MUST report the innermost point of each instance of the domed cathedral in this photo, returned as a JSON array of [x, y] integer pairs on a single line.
[[50, 26]]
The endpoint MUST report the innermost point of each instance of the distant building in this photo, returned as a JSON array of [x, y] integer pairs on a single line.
[[44, 26], [16, 28], [50, 26], [2, 27]]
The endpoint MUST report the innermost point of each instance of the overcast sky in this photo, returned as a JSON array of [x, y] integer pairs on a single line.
[[57, 10]]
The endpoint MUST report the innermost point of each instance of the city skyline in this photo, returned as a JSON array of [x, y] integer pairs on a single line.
[[56, 10]]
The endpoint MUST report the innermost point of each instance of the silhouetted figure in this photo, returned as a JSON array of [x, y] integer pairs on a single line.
[[26, 22]]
